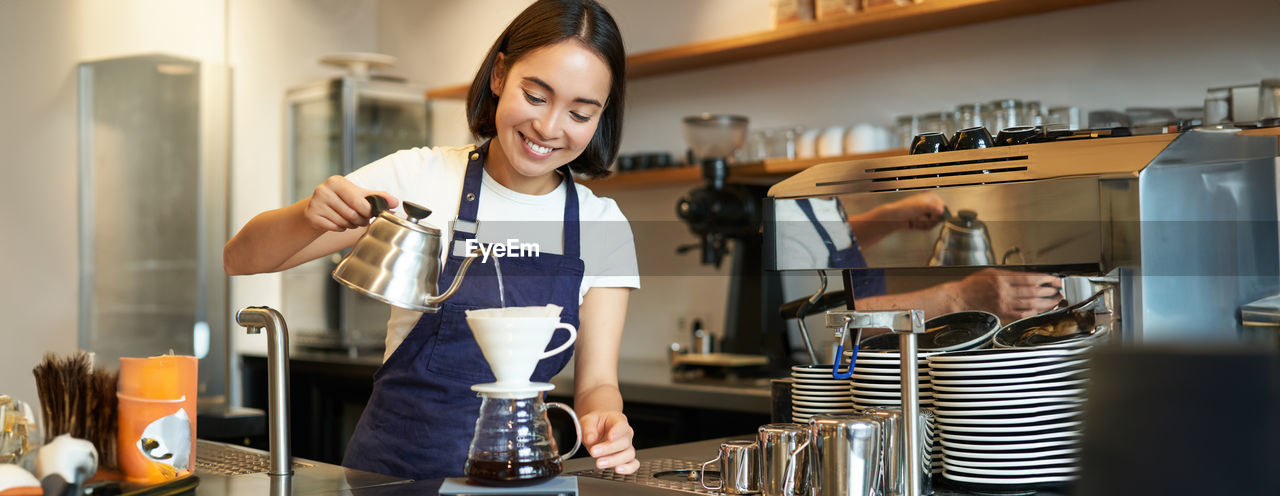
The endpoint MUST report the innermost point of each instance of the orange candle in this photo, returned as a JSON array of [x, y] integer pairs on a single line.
[[157, 423]]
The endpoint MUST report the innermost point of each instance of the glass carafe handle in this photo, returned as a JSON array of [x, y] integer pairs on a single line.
[[577, 427]]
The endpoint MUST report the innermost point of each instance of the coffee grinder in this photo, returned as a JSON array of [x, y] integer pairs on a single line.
[[727, 219]]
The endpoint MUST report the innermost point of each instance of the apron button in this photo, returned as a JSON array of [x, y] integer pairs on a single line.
[[471, 196], [475, 156]]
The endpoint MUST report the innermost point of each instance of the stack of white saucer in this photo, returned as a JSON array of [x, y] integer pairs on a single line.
[[1009, 418], [815, 391]]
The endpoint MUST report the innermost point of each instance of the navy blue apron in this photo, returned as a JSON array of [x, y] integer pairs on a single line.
[[421, 417], [865, 282]]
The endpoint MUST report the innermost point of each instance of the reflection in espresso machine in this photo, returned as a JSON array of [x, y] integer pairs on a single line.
[[1186, 223]]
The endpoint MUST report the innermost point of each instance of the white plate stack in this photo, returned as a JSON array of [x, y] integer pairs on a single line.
[[877, 383], [1009, 419], [815, 391]]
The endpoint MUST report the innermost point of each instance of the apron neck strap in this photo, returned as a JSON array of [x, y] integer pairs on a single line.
[[469, 203]]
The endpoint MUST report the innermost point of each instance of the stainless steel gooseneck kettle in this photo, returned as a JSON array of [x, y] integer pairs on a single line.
[[963, 240], [397, 260]]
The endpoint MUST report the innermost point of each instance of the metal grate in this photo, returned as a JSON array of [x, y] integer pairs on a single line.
[[220, 459], [645, 476]]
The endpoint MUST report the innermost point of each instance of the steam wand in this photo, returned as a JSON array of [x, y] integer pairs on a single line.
[[803, 311]]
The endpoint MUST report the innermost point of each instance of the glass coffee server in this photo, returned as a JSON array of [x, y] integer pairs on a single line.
[[335, 127]]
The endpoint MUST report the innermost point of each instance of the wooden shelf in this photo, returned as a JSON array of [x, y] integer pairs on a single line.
[[764, 173], [650, 178], [928, 15]]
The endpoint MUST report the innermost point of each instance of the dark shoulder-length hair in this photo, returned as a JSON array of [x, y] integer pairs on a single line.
[[548, 22]]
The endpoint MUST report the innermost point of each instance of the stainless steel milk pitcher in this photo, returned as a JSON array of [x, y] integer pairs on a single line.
[[784, 466], [844, 455], [739, 464]]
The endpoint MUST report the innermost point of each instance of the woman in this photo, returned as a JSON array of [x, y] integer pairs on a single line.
[[548, 98]]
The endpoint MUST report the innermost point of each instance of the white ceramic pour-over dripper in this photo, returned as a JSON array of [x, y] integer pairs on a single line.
[[513, 339]]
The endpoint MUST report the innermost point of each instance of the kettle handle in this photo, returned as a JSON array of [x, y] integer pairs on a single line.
[[1022, 260], [377, 203], [577, 428]]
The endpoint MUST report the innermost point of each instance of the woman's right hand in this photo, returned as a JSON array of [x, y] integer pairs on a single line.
[[1008, 294], [338, 204]]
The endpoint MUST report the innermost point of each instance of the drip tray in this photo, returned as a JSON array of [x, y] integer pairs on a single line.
[[221, 459], [665, 473]]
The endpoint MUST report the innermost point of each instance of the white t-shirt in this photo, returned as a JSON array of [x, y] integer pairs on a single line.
[[432, 178]]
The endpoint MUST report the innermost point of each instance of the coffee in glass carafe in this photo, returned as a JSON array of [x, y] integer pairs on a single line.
[[513, 445]]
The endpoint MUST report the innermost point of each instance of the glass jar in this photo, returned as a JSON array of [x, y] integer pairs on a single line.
[[971, 115], [1063, 118], [1033, 114], [781, 142], [950, 122], [1005, 113], [1217, 106], [20, 438], [1269, 99], [905, 128], [754, 149], [931, 123]]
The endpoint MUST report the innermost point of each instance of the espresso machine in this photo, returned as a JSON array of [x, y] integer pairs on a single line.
[[1183, 224]]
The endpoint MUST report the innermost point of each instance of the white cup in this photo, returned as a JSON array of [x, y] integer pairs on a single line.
[[864, 138], [513, 345], [807, 144], [831, 142]]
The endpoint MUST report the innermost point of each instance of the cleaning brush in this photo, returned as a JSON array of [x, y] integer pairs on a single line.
[[79, 400]]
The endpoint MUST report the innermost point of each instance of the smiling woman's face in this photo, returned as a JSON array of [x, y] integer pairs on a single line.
[[549, 105]]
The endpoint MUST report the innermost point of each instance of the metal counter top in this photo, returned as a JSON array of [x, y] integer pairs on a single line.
[[652, 382], [639, 381], [325, 479]]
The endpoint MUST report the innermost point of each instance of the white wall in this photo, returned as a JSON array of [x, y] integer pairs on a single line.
[[43, 41], [276, 45], [1134, 53], [273, 45]]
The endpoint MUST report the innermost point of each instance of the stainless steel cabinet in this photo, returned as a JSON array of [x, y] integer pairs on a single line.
[[153, 146], [335, 127]]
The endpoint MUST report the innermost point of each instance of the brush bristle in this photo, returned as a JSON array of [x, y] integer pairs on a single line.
[[78, 400]]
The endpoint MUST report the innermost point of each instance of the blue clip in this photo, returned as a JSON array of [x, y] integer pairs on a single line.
[[835, 368]]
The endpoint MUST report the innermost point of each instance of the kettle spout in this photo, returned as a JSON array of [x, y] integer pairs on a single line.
[[433, 301]]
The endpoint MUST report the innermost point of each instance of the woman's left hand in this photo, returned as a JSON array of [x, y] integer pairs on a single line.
[[607, 437]]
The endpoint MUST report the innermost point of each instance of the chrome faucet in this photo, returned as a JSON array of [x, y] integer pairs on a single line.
[[254, 319]]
